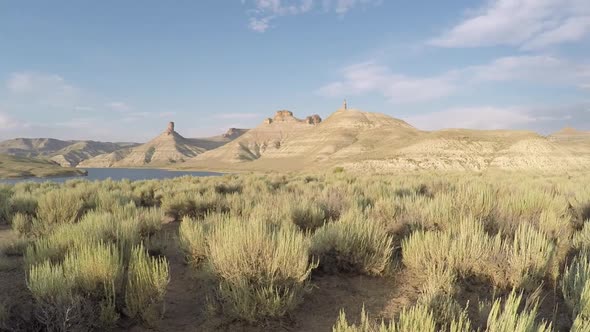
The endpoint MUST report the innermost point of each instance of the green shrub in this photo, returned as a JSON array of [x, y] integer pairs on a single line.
[[464, 250], [192, 241], [15, 247], [509, 317], [56, 306], [22, 224], [338, 169], [4, 207], [529, 256], [576, 286], [263, 269], [93, 268], [353, 244], [23, 203], [60, 207], [147, 281], [307, 216], [417, 318]]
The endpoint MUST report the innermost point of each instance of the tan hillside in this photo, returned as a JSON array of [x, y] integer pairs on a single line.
[[374, 142], [65, 153], [18, 167], [263, 140], [168, 148]]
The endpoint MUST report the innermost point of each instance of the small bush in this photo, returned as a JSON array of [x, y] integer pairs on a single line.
[[417, 318], [60, 207], [263, 269], [509, 317], [307, 216], [192, 241], [23, 203], [529, 256], [56, 307], [338, 169], [148, 279], [22, 224], [576, 286], [353, 244]]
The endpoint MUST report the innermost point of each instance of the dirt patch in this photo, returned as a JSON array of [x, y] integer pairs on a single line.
[[187, 308], [13, 288]]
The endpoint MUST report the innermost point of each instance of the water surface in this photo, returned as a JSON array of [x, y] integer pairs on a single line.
[[117, 174]]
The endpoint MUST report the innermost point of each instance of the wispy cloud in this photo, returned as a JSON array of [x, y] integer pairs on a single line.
[[263, 12], [234, 116], [45, 89], [528, 24], [119, 106], [7, 122], [544, 119], [370, 77], [397, 88]]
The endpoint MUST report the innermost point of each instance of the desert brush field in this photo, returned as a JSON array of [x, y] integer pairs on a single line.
[[487, 251]]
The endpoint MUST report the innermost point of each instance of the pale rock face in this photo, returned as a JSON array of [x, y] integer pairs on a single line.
[[284, 115]]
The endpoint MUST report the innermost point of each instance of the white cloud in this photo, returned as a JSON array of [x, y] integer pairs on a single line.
[[543, 119], [119, 106], [7, 122], [480, 117], [46, 89], [370, 77], [525, 23], [540, 68], [237, 116], [263, 12]]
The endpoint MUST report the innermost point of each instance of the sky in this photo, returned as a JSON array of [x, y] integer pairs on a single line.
[[120, 70]]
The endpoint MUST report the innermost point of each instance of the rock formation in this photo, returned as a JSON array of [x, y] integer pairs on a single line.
[[313, 119], [372, 142], [170, 128], [168, 148]]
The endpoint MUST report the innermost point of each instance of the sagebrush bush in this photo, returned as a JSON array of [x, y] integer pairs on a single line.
[[353, 244], [529, 256], [263, 270], [508, 316], [576, 286], [60, 207], [22, 224], [23, 203], [192, 241], [147, 280], [417, 318], [307, 215]]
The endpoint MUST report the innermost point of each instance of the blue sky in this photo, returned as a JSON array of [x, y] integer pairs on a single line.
[[120, 70]]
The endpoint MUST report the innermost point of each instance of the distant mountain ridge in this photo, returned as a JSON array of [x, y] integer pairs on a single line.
[[167, 148], [65, 153]]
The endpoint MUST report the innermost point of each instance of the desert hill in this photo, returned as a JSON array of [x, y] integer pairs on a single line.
[[264, 139], [65, 153], [373, 142], [18, 166], [167, 148]]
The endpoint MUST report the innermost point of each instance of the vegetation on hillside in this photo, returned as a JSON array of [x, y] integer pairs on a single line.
[[19, 167], [485, 252]]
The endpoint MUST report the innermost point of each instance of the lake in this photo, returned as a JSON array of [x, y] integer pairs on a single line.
[[117, 174]]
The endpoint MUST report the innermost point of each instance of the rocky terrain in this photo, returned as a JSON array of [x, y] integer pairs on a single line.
[[166, 149], [372, 142], [65, 153]]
